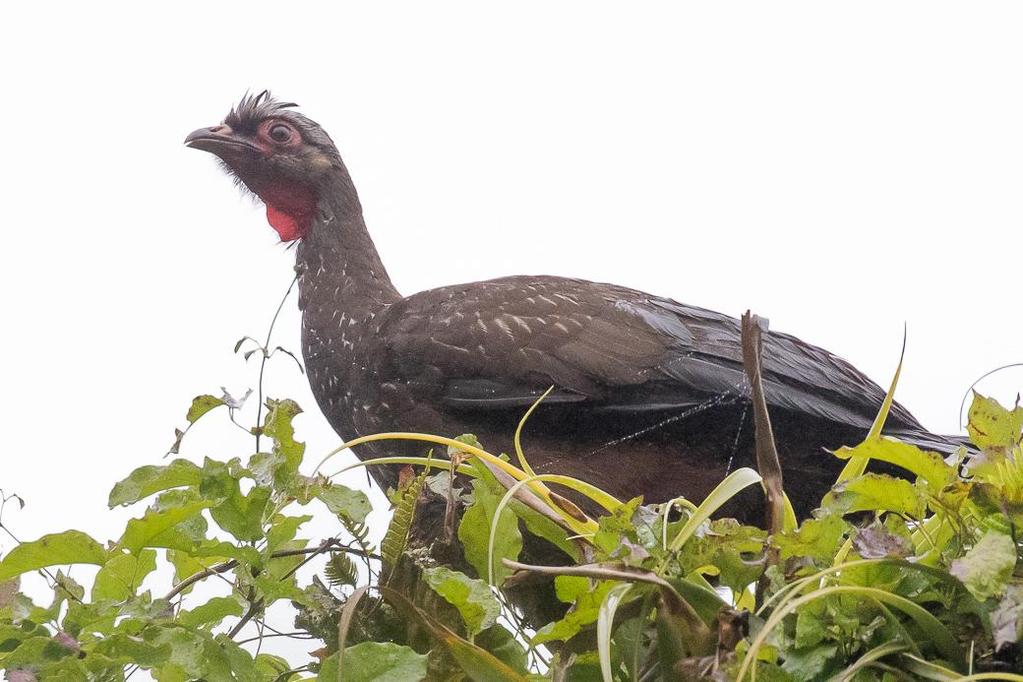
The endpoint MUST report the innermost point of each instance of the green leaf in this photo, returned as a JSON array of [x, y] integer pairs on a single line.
[[473, 599], [735, 550], [504, 645], [344, 502], [130, 649], [157, 528], [57, 549], [816, 538], [211, 612], [341, 570], [238, 514], [929, 466], [986, 568], [287, 451], [147, 480], [376, 662], [478, 664], [406, 498], [877, 492], [283, 530], [587, 600], [474, 533], [811, 663], [992, 427], [122, 574], [201, 405], [272, 668]]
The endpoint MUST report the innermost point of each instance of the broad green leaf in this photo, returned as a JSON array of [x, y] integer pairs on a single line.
[[238, 514], [34, 651], [992, 427], [211, 612], [131, 649], [478, 664], [240, 664], [587, 600], [278, 426], [473, 599], [877, 492], [986, 568], [735, 550], [929, 466], [816, 538], [202, 404], [376, 662], [283, 530], [156, 528], [186, 649], [342, 501], [811, 663], [69, 547], [219, 550], [149, 479], [474, 533], [504, 645], [271, 668], [122, 574]]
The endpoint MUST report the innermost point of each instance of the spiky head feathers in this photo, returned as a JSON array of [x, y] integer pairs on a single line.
[[280, 155]]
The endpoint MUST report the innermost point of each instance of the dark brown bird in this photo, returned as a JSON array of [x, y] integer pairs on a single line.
[[649, 398]]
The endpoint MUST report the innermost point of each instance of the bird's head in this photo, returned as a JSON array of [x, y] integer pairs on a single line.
[[281, 156]]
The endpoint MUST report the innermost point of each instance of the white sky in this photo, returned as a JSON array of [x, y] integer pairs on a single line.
[[838, 168]]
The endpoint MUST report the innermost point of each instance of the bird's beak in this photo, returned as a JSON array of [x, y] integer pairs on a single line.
[[219, 140]]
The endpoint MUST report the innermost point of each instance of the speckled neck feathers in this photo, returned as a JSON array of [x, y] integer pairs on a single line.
[[337, 262]]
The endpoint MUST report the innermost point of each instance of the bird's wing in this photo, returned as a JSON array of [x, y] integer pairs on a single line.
[[502, 343]]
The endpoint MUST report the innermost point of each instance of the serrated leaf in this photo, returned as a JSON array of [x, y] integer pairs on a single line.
[[396, 537], [376, 662], [57, 549], [202, 404], [342, 501], [473, 599], [341, 570], [122, 574], [147, 480], [986, 568], [474, 533]]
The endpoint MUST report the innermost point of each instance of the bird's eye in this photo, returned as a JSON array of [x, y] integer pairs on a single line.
[[280, 133]]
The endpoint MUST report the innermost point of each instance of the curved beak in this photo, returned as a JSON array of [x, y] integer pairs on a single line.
[[219, 140]]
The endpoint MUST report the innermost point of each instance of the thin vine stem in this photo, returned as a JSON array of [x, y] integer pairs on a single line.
[[266, 356]]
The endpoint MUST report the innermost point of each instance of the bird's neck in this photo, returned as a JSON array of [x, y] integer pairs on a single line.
[[337, 263]]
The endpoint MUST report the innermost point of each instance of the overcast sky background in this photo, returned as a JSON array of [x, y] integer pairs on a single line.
[[839, 168]]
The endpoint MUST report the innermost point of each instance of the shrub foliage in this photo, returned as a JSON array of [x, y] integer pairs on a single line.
[[912, 577]]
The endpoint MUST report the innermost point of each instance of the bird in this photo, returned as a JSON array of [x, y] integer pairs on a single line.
[[647, 396]]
